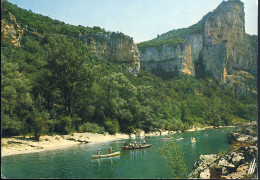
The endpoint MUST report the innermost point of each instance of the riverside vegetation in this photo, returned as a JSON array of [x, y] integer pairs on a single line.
[[52, 83]]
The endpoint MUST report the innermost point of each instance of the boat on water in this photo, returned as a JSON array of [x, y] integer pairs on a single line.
[[137, 147], [205, 134], [179, 139], [105, 155], [165, 138], [193, 140]]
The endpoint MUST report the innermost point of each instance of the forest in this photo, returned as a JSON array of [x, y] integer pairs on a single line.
[[53, 84]]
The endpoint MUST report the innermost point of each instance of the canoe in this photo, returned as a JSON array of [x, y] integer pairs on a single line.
[[136, 147], [179, 139], [105, 155], [166, 138]]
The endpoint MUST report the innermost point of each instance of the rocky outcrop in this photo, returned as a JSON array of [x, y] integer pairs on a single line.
[[11, 31], [239, 80], [170, 59], [114, 47], [235, 163], [220, 50], [226, 46], [196, 42]]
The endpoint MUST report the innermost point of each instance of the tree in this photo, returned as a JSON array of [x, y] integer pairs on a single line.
[[112, 126], [40, 118], [16, 101], [67, 62], [175, 159]]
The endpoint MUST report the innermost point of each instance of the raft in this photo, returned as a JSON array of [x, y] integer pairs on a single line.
[[136, 147], [105, 155]]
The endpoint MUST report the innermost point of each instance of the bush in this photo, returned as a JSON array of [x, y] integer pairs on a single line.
[[64, 125], [91, 127], [112, 126]]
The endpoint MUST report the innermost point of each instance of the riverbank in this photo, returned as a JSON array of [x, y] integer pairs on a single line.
[[240, 162], [20, 145], [207, 127]]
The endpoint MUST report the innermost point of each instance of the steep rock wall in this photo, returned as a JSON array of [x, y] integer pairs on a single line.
[[114, 47], [226, 47], [220, 50], [169, 59]]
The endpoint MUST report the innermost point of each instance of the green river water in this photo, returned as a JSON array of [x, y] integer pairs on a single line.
[[75, 162]]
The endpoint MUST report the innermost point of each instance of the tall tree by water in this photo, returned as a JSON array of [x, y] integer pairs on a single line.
[[174, 157]]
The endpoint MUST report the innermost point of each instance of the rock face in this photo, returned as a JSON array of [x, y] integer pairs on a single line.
[[169, 59], [235, 163], [226, 47], [218, 51], [11, 31], [114, 47]]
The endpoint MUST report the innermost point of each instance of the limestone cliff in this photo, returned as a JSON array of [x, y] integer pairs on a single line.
[[114, 47], [226, 47], [169, 59], [218, 45], [11, 31]]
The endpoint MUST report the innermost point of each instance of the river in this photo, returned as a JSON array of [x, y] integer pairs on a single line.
[[75, 162]]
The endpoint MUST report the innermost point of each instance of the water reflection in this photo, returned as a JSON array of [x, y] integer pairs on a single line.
[[98, 161], [137, 154]]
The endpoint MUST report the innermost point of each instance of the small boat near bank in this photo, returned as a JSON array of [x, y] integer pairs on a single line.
[[165, 138], [179, 139], [193, 140], [136, 147], [105, 155]]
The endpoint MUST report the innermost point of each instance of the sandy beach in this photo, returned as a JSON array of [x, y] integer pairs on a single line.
[[20, 145], [207, 127]]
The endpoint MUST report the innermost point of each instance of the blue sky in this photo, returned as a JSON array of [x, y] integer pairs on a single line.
[[140, 19]]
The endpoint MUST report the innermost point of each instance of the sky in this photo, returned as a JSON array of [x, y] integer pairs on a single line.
[[141, 19]]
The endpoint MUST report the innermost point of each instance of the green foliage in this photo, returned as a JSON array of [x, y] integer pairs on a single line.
[[158, 44], [183, 32], [253, 40], [16, 100], [64, 125], [175, 159], [112, 126], [91, 127], [45, 25], [40, 122], [69, 73]]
